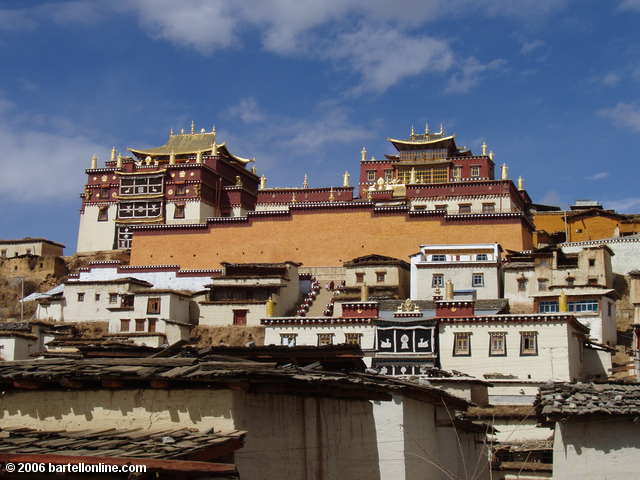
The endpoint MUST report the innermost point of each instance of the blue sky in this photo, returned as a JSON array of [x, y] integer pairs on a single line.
[[302, 85]]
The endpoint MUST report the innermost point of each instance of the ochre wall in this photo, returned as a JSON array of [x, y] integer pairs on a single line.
[[319, 238], [550, 222], [593, 228]]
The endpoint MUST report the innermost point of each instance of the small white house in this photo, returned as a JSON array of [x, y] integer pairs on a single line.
[[596, 433], [474, 269]]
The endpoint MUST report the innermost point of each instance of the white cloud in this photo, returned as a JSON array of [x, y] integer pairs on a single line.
[[625, 115], [625, 205], [528, 47], [38, 165], [610, 79], [247, 110], [471, 73], [383, 57], [630, 5], [598, 176]]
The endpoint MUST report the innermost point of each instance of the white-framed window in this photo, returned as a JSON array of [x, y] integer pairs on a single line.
[[437, 280], [353, 338], [124, 237], [482, 257], [475, 171], [464, 208], [371, 175], [584, 306], [141, 185], [548, 307], [288, 339], [477, 279], [80, 296], [140, 209], [488, 208], [438, 258]]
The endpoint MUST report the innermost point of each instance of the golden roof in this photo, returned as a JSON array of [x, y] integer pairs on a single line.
[[422, 140], [189, 144]]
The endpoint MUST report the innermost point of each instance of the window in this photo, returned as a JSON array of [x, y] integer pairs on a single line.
[[181, 190], [388, 175], [477, 279], [28, 251], [380, 276], [462, 344], [437, 280], [481, 257], [325, 339], [583, 306], [3, 254], [80, 296], [151, 325], [113, 298], [542, 284], [359, 277], [425, 175], [438, 258], [153, 305], [464, 208], [371, 175], [97, 297], [127, 301], [141, 185], [124, 325], [497, 344], [609, 308], [592, 262], [288, 339], [441, 208], [140, 324], [179, 211], [548, 307], [352, 338], [488, 207], [240, 317], [528, 343], [592, 281], [475, 171], [124, 237], [140, 209], [570, 281], [103, 214], [457, 173]]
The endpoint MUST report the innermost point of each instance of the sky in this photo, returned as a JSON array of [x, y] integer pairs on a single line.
[[302, 85]]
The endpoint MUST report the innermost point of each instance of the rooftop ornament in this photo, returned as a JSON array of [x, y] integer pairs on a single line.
[[363, 155]]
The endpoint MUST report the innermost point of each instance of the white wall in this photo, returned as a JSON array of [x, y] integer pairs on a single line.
[[308, 334], [625, 251], [596, 449], [90, 309], [94, 235], [221, 314], [159, 280], [552, 362]]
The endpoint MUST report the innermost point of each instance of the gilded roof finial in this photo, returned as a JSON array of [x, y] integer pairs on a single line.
[[199, 157], [332, 197], [171, 132], [441, 132], [505, 172], [363, 155], [345, 179], [214, 149], [114, 153], [172, 158], [94, 161], [520, 183], [193, 127], [254, 170], [305, 181], [484, 149], [491, 155], [426, 128], [119, 161], [413, 132], [263, 182]]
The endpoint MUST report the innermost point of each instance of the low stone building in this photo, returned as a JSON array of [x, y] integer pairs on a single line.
[[40, 247], [596, 434], [299, 423]]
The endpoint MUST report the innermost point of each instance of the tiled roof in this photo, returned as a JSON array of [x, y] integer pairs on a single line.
[[131, 443], [561, 400]]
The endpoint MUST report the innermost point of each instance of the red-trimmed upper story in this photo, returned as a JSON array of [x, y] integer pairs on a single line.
[[289, 195]]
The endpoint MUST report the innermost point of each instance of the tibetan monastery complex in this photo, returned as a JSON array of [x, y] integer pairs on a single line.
[[193, 203]]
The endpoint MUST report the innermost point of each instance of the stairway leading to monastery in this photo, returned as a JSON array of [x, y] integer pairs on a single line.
[[319, 305]]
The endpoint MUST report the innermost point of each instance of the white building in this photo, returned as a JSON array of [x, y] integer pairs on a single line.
[[473, 269], [517, 352], [596, 435], [30, 246]]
